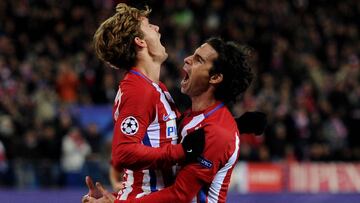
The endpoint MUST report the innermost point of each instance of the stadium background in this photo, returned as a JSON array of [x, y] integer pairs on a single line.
[[56, 97]]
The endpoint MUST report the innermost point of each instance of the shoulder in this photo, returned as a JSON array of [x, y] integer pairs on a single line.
[[136, 96], [220, 133], [222, 123], [222, 137], [137, 88]]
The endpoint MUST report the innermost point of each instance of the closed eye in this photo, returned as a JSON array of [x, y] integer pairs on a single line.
[[199, 59]]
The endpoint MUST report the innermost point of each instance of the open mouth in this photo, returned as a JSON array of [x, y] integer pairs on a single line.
[[185, 77]]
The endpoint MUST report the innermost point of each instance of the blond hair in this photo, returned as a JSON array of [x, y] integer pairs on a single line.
[[114, 39]]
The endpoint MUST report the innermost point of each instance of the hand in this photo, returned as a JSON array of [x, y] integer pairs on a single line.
[[93, 191], [252, 122], [193, 145], [107, 197]]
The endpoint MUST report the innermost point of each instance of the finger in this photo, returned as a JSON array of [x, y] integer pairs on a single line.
[[110, 197], [88, 199], [91, 186], [103, 191], [101, 188], [85, 199], [89, 183]]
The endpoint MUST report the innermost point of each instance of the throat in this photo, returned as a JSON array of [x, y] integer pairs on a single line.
[[202, 102], [151, 71]]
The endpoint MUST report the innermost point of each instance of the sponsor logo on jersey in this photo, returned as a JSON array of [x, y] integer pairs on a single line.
[[166, 117], [204, 162], [171, 130]]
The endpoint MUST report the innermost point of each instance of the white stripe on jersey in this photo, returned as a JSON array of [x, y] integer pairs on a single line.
[[169, 111], [194, 121], [141, 194], [146, 184], [128, 184], [153, 132], [216, 184], [117, 103]]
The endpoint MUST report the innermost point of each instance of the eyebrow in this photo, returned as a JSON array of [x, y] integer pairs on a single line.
[[200, 57]]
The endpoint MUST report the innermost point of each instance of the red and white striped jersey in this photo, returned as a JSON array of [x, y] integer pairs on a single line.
[[208, 180], [145, 135]]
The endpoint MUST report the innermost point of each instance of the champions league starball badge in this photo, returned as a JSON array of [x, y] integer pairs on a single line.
[[129, 126]]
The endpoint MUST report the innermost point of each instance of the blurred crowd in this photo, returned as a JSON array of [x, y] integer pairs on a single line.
[[306, 60]]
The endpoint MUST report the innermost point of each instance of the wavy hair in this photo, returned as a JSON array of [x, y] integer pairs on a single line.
[[232, 63], [114, 39]]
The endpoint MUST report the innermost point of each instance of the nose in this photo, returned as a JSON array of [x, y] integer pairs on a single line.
[[156, 28], [187, 60]]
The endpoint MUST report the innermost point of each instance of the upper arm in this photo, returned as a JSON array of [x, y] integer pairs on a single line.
[[134, 114], [136, 111]]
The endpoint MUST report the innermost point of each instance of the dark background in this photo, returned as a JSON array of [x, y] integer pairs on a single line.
[[306, 62]]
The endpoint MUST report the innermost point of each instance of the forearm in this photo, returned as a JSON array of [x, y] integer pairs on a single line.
[[136, 156], [185, 188], [163, 196]]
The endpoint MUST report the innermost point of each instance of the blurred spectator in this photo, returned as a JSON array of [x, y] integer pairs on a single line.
[[94, 162], [67, 83], [3, 163], [75, 149], [27, 151], [45, 104], [94, 138], [50, 151]]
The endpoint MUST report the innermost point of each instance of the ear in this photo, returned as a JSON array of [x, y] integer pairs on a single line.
[[140, 42], [216, 78]]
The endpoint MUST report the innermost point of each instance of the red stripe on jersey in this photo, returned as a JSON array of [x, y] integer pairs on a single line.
[[138, 180]]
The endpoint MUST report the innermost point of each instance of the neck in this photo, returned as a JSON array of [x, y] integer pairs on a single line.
[[150, 70], [202, 102]]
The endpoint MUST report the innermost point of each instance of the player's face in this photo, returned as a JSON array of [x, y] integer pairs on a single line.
[[196, 68], [152, 38]]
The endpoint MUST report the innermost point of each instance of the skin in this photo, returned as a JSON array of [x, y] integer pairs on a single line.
[[197, 83], [150, 52], [116, 179], [106, 197], [152, 38], [94, 192]]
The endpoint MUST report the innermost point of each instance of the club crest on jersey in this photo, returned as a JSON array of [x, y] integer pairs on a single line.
[[129, 126]]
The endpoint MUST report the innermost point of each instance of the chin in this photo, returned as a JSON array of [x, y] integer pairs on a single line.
[[164, 56], [183, 90]]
